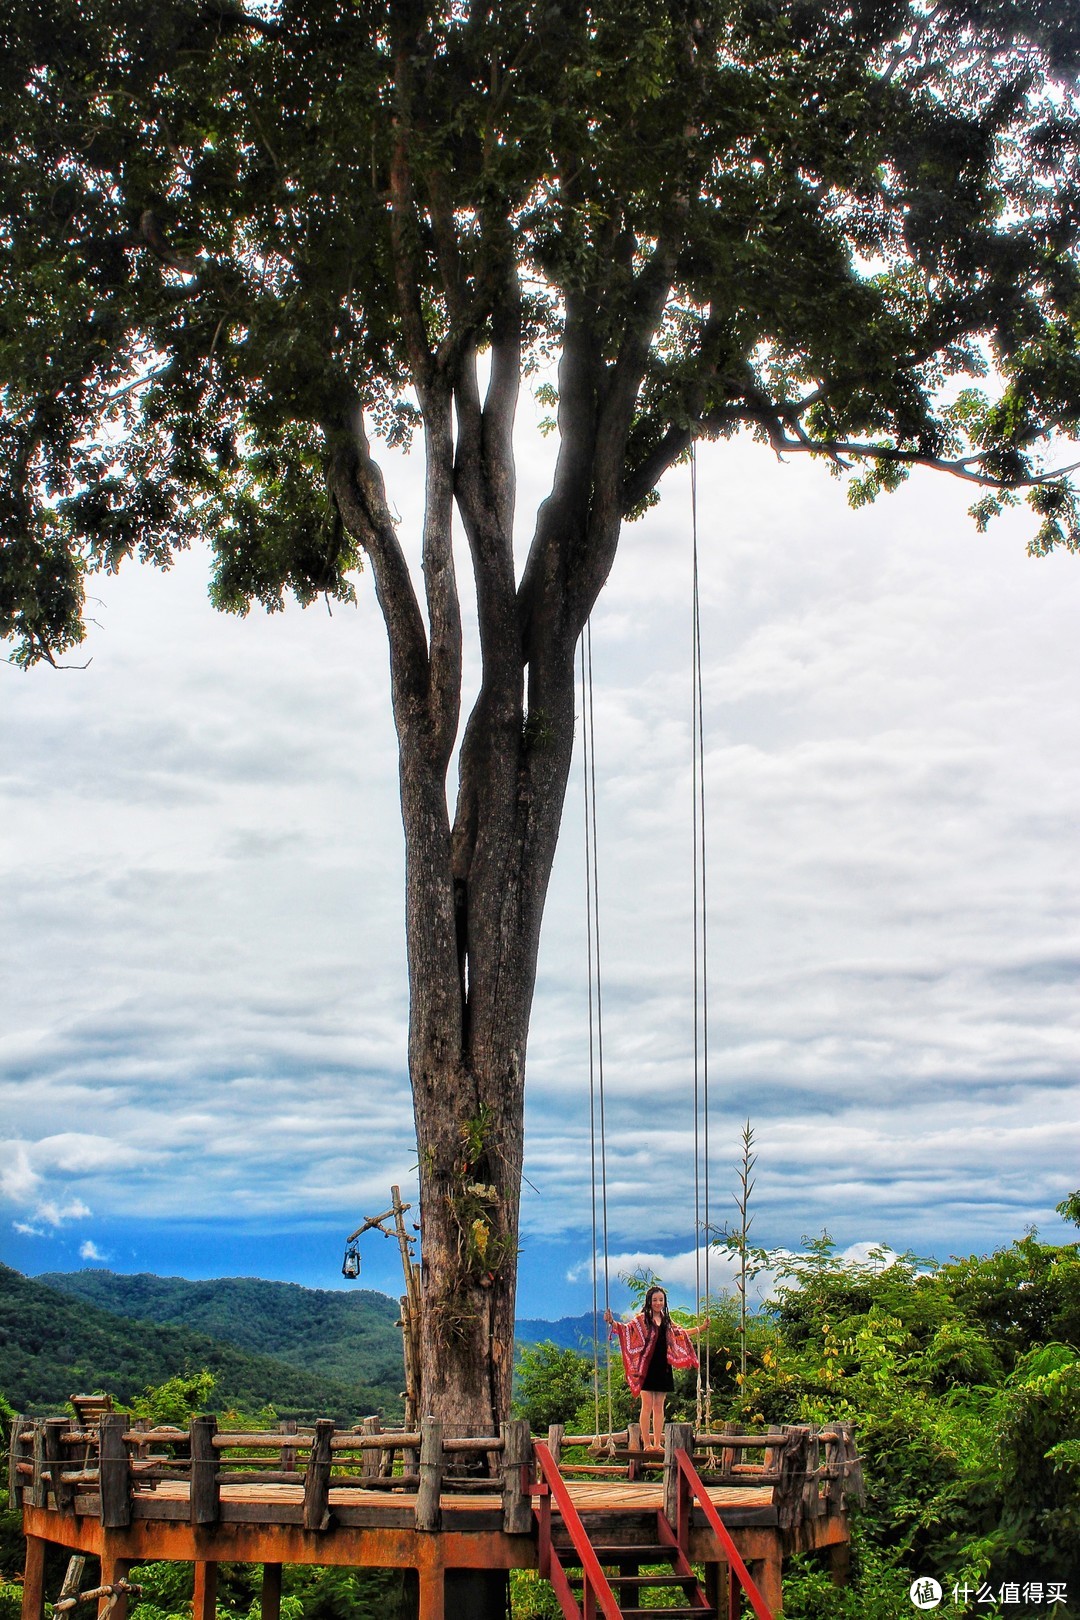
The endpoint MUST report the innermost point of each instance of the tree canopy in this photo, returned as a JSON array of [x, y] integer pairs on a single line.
[[234, 243]]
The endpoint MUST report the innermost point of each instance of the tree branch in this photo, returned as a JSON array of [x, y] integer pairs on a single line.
[[360, 494], [440, 580], [404, 225]]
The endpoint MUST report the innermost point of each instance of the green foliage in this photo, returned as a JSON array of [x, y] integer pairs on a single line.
[[177, 1399], [166, 1591], [1038, 1422], [878, 1589], [49, 1352], [532, 1598], [1023, 1296], [963, 1382], [308, 1593], [551, 1385]]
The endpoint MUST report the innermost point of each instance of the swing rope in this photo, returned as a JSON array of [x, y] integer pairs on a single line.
[[597, 1131], [597, 1123], [702, 1223]]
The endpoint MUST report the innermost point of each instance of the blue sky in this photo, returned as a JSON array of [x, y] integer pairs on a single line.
[[202, 946]]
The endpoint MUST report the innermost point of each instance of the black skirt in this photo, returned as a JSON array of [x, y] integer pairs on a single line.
[[658, 1374]]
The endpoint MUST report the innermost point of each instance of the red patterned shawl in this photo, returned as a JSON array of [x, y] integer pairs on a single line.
[[636, 1340]]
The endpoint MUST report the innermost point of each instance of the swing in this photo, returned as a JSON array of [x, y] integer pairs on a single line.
[[597, 1132]]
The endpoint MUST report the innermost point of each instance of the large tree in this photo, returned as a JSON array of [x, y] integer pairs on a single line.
[[242, 246]]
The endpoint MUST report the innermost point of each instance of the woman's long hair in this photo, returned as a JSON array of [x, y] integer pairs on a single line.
[[647, 1310]]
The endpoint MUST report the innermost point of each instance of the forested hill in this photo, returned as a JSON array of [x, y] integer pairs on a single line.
[[346, 1334], [53, 1345], [569, 1332], [350, 1336]]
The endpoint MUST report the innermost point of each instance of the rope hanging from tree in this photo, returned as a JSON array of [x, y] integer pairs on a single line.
[[597, 1133], [597, 1130], [702, 1224]]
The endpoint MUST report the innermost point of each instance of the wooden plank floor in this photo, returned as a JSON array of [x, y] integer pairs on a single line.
[[608, 1496]]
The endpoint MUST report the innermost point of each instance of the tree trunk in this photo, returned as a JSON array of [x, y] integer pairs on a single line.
[[469, 1090]]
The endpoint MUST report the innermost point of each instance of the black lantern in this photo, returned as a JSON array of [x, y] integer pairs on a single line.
[[350, 1266]]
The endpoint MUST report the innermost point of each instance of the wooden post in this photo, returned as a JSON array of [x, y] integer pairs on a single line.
[[113, 1569], [432, 1592], [317, 1482], [839, 1555], [555, 1441], [270, 1606], [205, 1490], [63, 1495], [140, 1426], [766, 1574], [33, 1592], [371, 1461], [410, 1316], [38, 1486], [677, 1437], [204, 1601], [115, 1473], [15, 1457], [854, 1486], [812, 1503], [288, 1453], [635, 1468], [428, 1504], [517, 1456], [72, 1576], [718, 1591], [729, 1454], [787, 1495]]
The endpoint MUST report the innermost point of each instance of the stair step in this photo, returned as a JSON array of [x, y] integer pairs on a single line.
[[654, 1553], [650, 1580], [671, 1614]]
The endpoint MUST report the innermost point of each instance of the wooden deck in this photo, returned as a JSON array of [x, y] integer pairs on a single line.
[[737, 1504], [128, 1497]]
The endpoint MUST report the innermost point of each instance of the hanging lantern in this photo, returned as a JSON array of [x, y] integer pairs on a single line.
[[350, 1266]]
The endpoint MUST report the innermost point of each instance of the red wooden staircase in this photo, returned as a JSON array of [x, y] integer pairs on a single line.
[[590, 1579]]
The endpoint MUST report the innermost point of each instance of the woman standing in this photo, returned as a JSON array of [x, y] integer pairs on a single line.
[[652, 1345]]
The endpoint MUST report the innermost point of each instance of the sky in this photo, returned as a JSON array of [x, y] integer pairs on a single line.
[[201, 944]]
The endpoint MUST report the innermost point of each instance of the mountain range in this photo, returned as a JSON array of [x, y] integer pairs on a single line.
[[310, 1352]]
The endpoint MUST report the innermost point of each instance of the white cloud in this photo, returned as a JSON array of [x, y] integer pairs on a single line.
[[54, 1214], [207, 894], [90, 1251], [76, 1152], [18, 1180], [690, 1277]]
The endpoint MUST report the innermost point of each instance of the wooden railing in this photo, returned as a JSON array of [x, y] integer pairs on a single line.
[[100, 1469], [813, 1470]]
